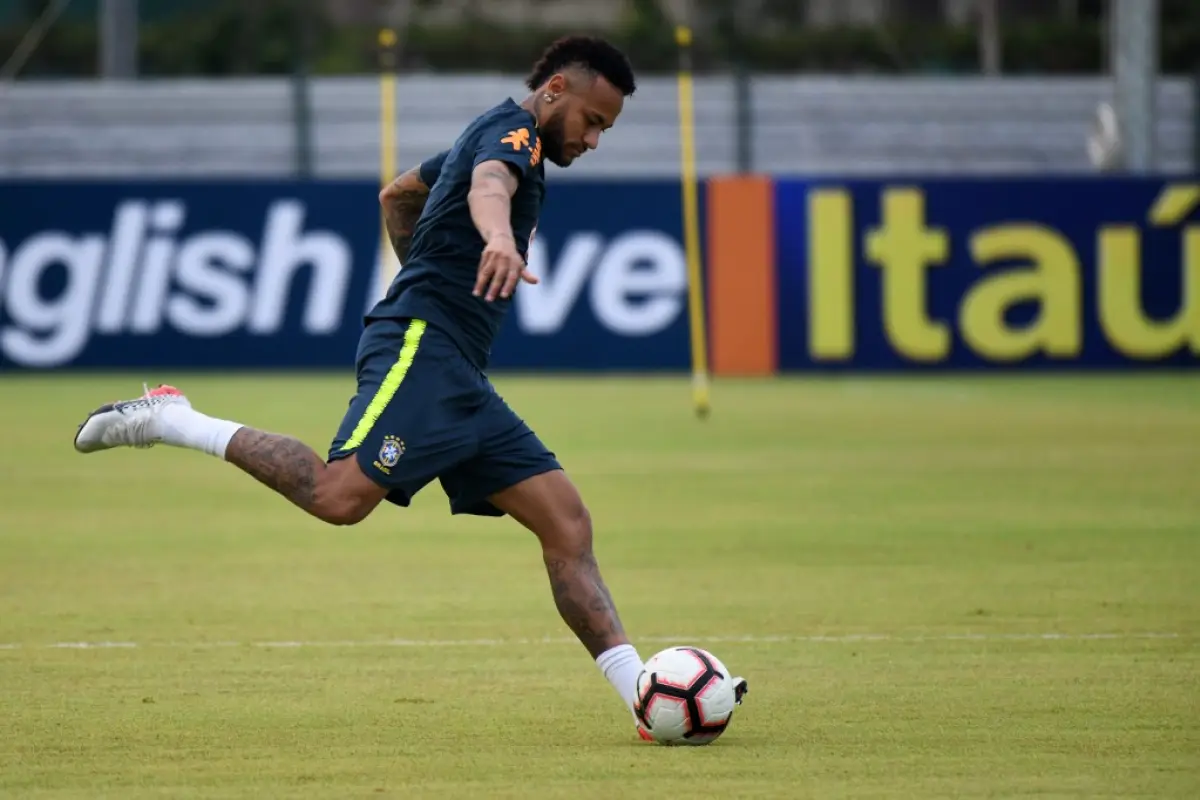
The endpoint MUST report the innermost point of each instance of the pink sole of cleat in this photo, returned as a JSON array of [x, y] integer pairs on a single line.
[[161, 390]]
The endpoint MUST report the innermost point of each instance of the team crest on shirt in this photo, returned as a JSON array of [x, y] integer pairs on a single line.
[[389, 453]]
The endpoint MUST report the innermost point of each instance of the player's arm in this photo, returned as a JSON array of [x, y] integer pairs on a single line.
[[403, 200], [493, 184], [504, 154]]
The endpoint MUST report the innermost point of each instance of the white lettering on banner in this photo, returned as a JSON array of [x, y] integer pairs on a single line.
[[64, 320], [286, 247], [542, 307], [638, 286], [143, 275]]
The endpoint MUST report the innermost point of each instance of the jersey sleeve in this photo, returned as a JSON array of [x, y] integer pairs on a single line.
[[513, 141], [432, 167]]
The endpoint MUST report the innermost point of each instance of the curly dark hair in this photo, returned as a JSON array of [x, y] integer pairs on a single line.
[[589, 52]]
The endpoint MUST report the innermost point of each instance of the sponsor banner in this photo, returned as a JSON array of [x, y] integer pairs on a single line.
[[1088, 272], [612, 291], [926, 274], [262, 274], [190, 275]]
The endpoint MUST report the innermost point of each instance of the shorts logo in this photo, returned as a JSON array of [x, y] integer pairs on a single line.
[[390, 452]]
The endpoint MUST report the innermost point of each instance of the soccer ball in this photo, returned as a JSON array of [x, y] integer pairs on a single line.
[[685, 695]]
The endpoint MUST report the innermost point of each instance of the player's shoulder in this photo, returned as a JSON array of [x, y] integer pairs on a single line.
[[506, 112], [508, 123], [506, 132]]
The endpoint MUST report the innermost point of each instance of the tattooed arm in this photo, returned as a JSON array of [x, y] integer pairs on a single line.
[[493, 184], [403, 200]]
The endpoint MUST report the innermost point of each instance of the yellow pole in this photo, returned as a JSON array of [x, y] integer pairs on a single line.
[[691, 226], [387, 130]]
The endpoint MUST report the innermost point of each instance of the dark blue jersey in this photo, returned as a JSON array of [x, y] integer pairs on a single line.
[[436, 282]]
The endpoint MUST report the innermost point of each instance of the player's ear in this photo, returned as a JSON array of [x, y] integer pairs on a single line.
[[557, 83]]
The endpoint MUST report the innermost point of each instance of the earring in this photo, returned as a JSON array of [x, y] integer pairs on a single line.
[[549, 97]]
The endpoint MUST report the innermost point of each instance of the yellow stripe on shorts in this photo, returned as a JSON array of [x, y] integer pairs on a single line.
[[389, 387]]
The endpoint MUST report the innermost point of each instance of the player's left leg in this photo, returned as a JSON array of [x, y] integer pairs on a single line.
[[549, 505], [515, 474]]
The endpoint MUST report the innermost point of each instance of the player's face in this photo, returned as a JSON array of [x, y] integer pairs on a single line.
[[576, 126]]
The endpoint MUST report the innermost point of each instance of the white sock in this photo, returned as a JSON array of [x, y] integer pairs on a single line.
[[186, 427], [622, 665]]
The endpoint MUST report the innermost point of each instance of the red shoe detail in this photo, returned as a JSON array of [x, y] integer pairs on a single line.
[[163, 389]]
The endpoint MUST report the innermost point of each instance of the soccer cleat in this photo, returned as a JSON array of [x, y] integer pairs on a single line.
[[127, 423]]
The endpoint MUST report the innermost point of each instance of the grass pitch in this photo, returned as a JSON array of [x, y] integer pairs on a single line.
[[984, 587]]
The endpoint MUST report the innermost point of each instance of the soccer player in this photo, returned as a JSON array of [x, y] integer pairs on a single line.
[[461, 224]]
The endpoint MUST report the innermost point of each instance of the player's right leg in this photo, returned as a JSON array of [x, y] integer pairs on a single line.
[[337, 493], [398, 393]]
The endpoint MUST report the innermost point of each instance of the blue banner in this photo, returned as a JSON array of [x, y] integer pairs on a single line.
[[1054, 273], [612, 291], [262, 274]]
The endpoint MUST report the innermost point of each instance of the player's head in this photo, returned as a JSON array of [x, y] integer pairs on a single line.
[[580, 84]]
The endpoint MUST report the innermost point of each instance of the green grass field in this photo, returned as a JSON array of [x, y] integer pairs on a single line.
[[959, 588]]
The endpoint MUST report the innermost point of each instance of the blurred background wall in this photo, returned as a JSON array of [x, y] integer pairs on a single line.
[[280, 100], [286, 87]]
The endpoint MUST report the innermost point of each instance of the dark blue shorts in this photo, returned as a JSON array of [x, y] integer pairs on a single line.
[[423, 411]]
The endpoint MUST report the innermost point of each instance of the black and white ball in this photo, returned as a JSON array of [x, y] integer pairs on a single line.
[[686, 696]]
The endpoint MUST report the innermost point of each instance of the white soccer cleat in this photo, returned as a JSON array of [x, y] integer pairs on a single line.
[[740, 689], [128, 423]]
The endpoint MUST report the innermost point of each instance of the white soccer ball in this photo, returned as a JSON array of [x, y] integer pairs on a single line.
[[685, 695]]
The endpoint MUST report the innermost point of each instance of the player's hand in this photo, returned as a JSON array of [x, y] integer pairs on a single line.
[[500, 267]]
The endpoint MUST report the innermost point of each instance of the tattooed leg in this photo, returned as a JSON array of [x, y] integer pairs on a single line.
[[549, 505], [584, 602], [338, 493], [286, 465]]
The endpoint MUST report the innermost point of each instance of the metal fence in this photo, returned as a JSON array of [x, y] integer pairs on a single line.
[[796, 125]]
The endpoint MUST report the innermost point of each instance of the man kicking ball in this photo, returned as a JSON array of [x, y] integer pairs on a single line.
[[461, 224]]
